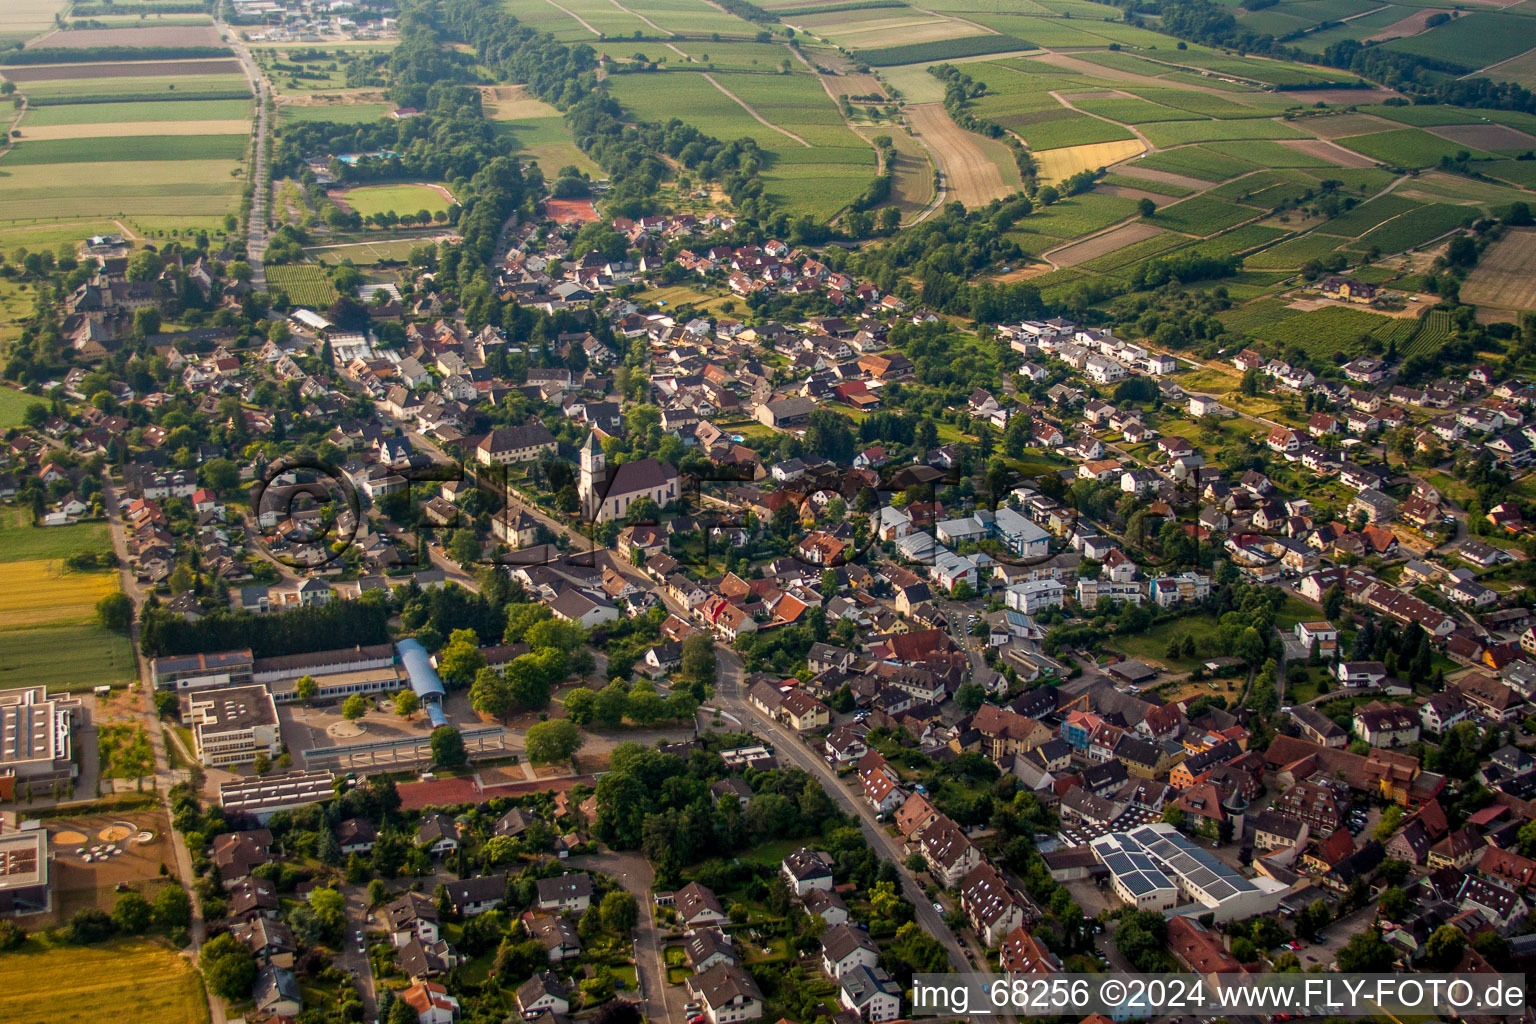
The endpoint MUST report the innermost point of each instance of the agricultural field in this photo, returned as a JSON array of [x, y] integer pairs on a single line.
[[1203, 215], [305, 284], [1474, 40], [40, 592], [65, 658], [159, 144], [336, 113], [1292, 252], [1319, 332], [132, 981], [1505, 278], [818, 164], [1406, 147]]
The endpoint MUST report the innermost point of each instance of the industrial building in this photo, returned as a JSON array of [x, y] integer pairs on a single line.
[[1156, 867]]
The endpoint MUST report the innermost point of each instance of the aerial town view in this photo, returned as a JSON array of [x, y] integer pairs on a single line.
[[712, 511]]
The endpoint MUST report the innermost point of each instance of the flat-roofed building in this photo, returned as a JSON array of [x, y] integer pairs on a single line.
[[24, 873], [199, 671], [35, 740], [232, 726], [264, 796], [1155, 867]]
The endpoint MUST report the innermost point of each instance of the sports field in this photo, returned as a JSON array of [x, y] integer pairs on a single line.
[[372, 199]]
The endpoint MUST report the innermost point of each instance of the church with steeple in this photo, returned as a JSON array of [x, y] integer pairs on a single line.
[[607, 492]]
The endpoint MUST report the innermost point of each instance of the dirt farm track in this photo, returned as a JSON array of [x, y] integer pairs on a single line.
[[1505, 278]]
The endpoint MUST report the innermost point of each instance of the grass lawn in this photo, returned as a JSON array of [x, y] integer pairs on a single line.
[[771, 854], [133, 981], [1151, 646], [20, 541], [13, 405]]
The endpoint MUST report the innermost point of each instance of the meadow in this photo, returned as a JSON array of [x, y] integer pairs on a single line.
[[13, 406], [133, 981], [335, 113], [20, 541]]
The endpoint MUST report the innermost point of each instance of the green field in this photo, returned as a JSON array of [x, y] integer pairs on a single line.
[[546, 141], [1202, 215], [75, 657], [362, 253], [349, 113], [943, 49], [372, 199], [13, 406], [1320, 332], [20, 541], [305, 284], [1362, 218], [1473, 40], [1133, 111], [1293, 252], [168, 87], [1078, 215], [1193, 161], [1416, 228], [180, 189], [133, 147], [819, 176], [1406, 147], [1073, 130], [146, 110], [1179, 132]]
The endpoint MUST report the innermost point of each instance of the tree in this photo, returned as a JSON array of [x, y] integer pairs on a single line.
[[555, 740], [228, 967], [492, 694], [698, 662], [1394, 903], [354, 707], [306, 688], [1146, 207], [407, 703], [464, 547], [131, 913], [461, 658], [172, 908], [1174, 816], [115, 612], [88, 926], [400, 1012], [448, 747], [581, 705], [1367, 953], [620, 912], [1445, 946], [969, 697]]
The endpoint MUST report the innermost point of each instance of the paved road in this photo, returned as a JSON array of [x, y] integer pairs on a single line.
[[256, 228], [729, 691], [164, 777], [353, 955]]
